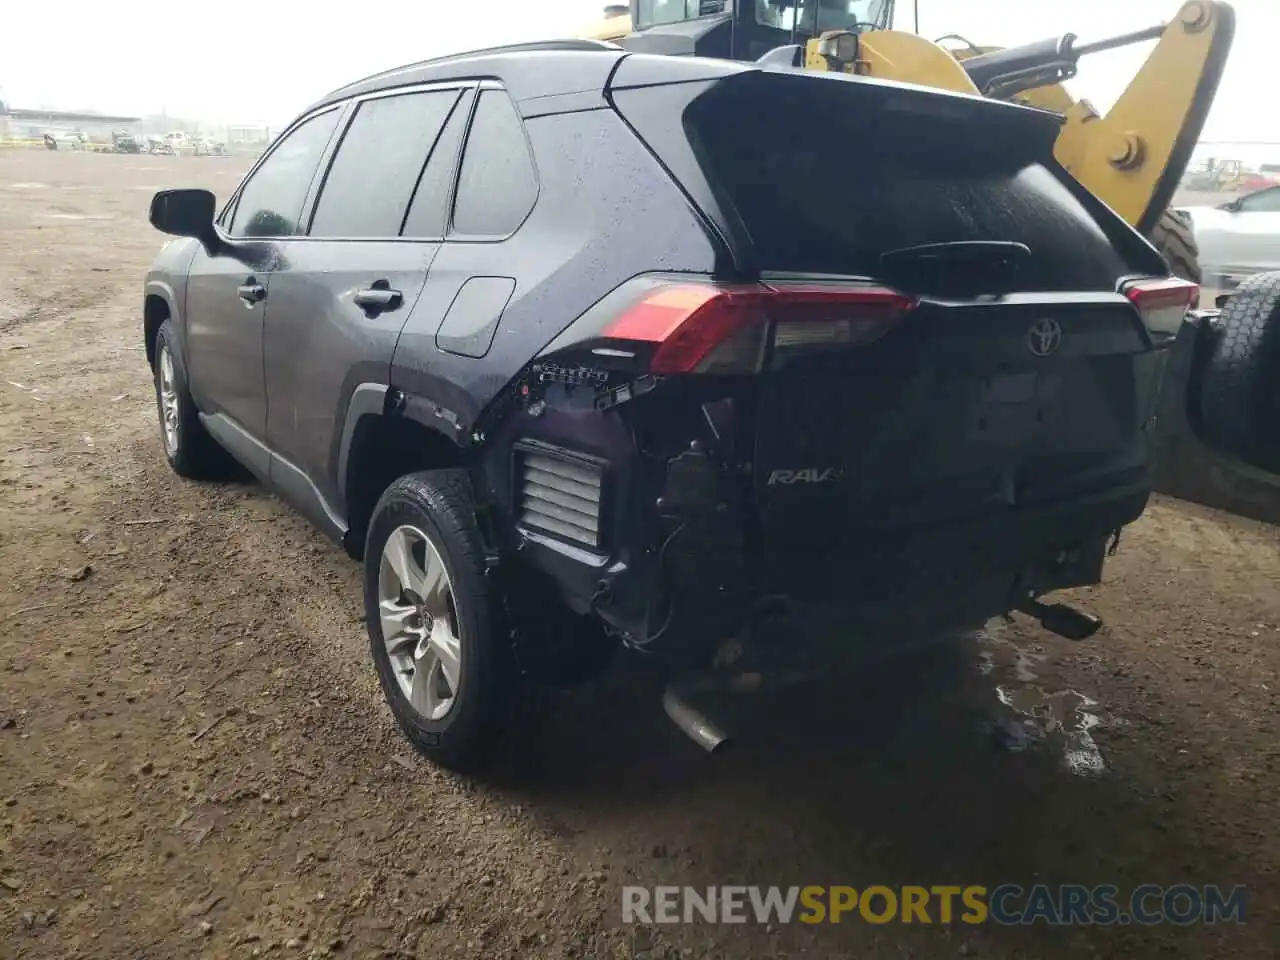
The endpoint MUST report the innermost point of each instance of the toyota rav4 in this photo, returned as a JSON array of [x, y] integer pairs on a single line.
[[581, 350]]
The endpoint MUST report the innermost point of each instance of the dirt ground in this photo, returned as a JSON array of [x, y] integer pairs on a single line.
[[195, 760]]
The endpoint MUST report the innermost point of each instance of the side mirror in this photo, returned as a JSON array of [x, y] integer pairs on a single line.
[[184, 213], [1233, 206]]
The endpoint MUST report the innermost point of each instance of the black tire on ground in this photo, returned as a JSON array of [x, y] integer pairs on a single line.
[[1240, 381], [1175, 238], [495, 708], [195, 455]]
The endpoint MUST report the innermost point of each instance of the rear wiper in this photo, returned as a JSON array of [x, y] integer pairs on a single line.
[[958, 268], [977, 253]]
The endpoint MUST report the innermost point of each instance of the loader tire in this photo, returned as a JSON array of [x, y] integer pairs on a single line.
[[1175, 238], [1240, 380]]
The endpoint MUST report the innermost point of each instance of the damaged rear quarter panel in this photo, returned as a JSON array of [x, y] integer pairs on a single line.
[[606, 211]]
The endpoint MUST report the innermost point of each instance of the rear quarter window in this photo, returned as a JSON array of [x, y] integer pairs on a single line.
[[497, 184]]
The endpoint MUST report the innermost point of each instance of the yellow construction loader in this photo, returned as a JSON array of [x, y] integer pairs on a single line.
[[1133, 157]]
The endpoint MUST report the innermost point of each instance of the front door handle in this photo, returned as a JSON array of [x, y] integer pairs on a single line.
[[378, 298], [251, 292]]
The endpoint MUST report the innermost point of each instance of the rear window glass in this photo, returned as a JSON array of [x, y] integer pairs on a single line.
[[825, 186]]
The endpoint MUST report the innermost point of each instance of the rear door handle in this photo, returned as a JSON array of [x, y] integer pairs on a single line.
[[377, 299], [251, 292]]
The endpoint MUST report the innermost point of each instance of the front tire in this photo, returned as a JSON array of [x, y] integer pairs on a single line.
[[191, 452], [437, 629]]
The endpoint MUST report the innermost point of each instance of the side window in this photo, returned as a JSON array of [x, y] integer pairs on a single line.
[[497, 184], [271, 201], [1265, 201], [371, 180], [429, 211]]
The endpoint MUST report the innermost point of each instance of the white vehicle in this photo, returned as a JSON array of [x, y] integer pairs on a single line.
[[208, 147], [1238, 238], [173, 143]]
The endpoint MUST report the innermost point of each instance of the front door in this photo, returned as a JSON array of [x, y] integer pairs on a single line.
[[226, 301], [228, 296]]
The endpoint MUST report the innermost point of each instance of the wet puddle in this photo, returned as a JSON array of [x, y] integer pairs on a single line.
[[1029, 715]]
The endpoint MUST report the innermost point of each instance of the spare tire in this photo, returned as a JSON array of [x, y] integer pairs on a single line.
[[1175, 238], [1240, 378]]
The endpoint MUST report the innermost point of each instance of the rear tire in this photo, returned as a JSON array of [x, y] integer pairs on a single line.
[[1240, 381], [191, 452], [1175, 238], [478, 700]]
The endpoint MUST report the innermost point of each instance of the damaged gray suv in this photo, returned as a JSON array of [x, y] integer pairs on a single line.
[[577, 359]]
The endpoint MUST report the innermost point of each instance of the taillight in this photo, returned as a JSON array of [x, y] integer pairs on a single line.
[[701, 328], [1163, 304]]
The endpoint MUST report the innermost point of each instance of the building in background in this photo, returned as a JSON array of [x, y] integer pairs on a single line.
[[244, 137], [22, 124]]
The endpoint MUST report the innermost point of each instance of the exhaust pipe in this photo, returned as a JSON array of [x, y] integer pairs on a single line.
[[700, 728], [696, 725]]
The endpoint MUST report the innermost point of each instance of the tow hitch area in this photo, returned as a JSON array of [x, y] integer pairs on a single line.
[[1062, 619]]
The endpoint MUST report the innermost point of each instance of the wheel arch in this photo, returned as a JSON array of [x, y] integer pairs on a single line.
[[385, 437], [159, 304]]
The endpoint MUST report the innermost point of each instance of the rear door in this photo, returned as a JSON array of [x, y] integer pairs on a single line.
[[343, 292], [485, 262]]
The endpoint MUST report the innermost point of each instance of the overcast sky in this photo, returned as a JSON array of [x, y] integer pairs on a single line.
[[260, 61]]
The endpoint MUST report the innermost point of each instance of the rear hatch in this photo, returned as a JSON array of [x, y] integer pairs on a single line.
[[1018, 377]]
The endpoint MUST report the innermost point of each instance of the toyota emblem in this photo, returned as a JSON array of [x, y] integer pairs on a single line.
[[1045, 336]]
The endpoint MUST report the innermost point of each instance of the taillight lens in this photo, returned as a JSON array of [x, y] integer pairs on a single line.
[[702, 328], [1163, 304]]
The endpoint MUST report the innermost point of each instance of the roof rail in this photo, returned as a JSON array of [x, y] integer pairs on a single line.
[[567, 45]]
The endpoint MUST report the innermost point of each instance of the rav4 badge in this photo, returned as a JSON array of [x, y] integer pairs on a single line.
[[808, 475]]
